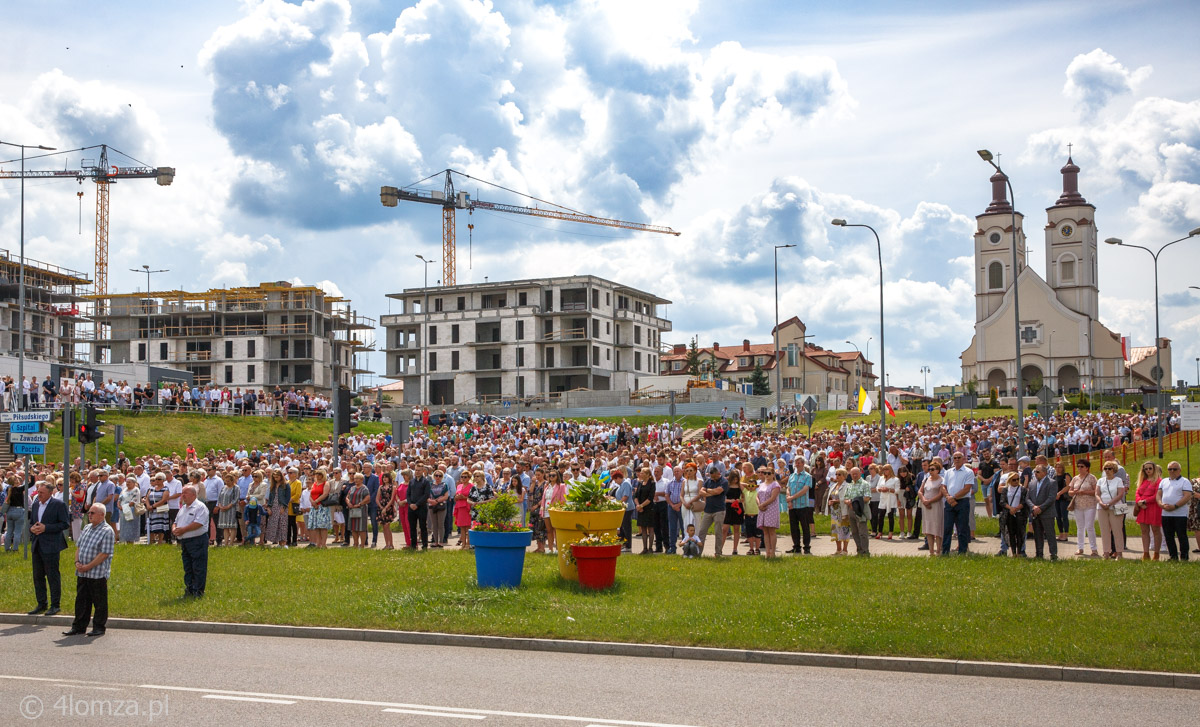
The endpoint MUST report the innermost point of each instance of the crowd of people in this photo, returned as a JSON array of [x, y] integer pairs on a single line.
[[734, 483], [168, 396]]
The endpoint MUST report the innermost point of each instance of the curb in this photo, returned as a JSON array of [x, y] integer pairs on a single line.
[[1169, 680]]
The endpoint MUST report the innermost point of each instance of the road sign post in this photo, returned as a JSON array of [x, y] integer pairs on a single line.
[[68, 428]]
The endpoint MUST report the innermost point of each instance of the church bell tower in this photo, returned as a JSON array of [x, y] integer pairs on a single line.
[[994, 241], [1071, 247]]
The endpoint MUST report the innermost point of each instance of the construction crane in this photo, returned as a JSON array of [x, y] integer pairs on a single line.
[[100, 172], [450, 201]]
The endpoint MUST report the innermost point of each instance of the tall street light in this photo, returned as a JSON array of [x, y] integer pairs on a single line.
[[423, 376], [986, 155], [882, 366], [1158, 370], [21, 282], [146, 269], [859, 382], [778, 367], [925, 370]]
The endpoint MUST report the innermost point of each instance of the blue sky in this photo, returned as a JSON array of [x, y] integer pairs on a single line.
[[744, 125]]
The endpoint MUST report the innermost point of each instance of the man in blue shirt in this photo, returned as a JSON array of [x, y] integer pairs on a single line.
[[800, 508], [624, 495], [371, 480]]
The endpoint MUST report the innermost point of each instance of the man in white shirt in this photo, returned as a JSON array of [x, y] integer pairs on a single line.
[[1174, 495], [960, 487], [191, 528]]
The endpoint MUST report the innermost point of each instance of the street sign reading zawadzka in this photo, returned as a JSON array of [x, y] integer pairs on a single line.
[[9, 417], [21, 438]]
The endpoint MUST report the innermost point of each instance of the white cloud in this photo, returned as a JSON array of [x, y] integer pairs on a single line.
[[1094, 78], [331, 288]]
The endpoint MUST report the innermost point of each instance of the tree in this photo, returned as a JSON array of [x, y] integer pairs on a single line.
[[693, 358], [758, 379]]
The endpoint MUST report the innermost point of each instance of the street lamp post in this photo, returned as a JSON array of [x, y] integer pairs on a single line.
[[778, 367], [1158, 370], [858, 367], [21, 299], [986, 155], [146, 269], [424, 376], [925, 390], [21, 281], [882, 364]]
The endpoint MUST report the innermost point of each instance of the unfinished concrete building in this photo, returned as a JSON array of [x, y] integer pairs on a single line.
[[522, 338], [249, 337]]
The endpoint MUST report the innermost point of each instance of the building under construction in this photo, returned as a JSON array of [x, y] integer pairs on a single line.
[[56, 330], [251, 337]]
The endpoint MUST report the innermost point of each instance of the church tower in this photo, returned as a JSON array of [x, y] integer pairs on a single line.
[[1071, 247], [994, 240]]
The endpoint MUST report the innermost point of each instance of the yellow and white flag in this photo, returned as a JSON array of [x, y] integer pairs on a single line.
[[864, 402]]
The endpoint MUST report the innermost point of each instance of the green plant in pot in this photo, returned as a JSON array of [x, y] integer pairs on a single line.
[[499, 541], [589, 510]]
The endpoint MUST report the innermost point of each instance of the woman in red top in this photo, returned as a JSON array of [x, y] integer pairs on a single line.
[[1149, 512]]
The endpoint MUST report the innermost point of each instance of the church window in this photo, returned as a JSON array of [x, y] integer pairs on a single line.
[[1066, 269], [995, 276]]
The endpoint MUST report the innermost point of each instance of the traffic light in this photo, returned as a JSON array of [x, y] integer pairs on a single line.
[[89, 429], [345, 420]]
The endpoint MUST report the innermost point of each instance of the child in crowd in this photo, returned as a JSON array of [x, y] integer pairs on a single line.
[[253, 529], [690, 545]]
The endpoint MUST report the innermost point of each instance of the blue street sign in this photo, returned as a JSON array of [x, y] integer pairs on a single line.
[[929, 407], [29, 449], [25, 427]]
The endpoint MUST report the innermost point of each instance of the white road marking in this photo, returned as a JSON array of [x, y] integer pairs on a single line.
[[368, 703], [434, 714], [234, 698], [86, 686]]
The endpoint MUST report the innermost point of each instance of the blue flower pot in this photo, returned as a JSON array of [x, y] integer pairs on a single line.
[[500, 557]]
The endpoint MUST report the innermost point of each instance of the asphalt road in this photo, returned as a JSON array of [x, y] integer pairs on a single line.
[[217, 679]]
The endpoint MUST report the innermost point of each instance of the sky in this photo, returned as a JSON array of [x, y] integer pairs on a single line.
[[743, 125]]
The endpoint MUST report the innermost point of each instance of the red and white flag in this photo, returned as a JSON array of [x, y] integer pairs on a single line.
[[888, 405], [1125, 347]]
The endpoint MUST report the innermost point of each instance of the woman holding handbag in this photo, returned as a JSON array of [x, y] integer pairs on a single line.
[[1083, 504], [1147, 511], [1110, 511], [692, 502]]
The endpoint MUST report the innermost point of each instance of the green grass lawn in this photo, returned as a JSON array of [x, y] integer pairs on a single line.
[[163, 434], [971, 607]]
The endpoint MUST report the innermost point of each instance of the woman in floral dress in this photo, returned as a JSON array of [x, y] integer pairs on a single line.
[[387, 506], [318, 519], [78, 496], [537, 488], [480, 492], [278, 498], [158, 521], [227, 501]]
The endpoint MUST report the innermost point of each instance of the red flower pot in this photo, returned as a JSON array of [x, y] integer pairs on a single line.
[[597, 565]]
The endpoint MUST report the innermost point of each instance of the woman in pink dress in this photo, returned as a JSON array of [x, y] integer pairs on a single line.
[[462, 511], [768, 510], [401, 496], [1148, 511]]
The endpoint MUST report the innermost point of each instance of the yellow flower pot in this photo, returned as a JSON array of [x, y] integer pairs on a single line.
[[570, 527]]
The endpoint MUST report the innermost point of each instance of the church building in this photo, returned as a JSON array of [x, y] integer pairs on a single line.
[[1063, 343]]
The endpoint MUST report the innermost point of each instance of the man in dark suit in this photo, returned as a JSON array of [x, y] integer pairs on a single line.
[[371, 481], [1011, 504], [418, 506], [48, 520], [1040, 501]]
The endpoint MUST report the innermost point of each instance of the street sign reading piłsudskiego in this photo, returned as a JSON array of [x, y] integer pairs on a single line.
[[26, 416]]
